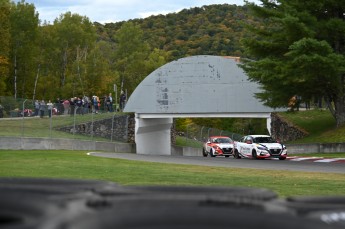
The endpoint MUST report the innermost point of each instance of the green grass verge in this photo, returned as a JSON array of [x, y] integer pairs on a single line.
[[77, 165], [45, 127], [183, 141]]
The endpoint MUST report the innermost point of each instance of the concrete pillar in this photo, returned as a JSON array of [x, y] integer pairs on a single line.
[[152, 135], [269, 125]]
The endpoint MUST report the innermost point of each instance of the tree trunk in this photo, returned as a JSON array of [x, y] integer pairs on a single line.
[[78, 69], [15, 75], [340, 110], [35, 86], [64, 68]]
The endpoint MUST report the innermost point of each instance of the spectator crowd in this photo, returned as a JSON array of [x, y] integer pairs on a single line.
[[71, 106], [78, 105]]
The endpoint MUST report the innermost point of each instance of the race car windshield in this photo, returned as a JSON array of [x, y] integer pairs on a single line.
[[224, 140], [264, 140]]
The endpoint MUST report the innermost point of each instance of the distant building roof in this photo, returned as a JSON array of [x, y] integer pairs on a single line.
[[196, 85]]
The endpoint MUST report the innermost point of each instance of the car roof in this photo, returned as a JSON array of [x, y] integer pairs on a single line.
[[219, 137], [258, 135]]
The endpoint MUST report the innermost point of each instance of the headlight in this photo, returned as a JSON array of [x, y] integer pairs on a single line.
[[261, 147]]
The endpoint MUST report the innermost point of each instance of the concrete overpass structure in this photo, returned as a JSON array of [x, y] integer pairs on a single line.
[[193, 87]]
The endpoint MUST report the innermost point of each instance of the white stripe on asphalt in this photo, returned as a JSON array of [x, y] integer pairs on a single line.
[[330, 160], [305, 158]]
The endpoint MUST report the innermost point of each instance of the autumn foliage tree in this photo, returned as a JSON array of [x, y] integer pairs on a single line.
[[24, 24], [5, 43], [73, 56]]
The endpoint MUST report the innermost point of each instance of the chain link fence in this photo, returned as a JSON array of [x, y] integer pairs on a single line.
[[194, 135], [28, 118]]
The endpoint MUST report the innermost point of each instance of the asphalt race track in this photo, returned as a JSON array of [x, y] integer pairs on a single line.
[[290, 164]]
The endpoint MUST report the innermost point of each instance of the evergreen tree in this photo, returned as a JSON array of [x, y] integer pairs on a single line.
[[299, 49]]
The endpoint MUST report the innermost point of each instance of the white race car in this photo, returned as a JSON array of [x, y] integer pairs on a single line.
[[259, 147]]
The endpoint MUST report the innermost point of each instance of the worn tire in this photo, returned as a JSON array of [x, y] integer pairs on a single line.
[[211, 153], [254, 155], [204, 153], [237, 154]]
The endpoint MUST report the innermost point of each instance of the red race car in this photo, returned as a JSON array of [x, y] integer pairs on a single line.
[[218, 146]]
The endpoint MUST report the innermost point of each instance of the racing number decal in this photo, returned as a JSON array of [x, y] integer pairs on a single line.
[[245, 149]]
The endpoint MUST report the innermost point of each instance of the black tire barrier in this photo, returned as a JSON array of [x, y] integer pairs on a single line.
[[235, 194], [329, 209], [84, 204]]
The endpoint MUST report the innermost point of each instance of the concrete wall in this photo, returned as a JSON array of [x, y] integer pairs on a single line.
[[14, 143], [185, 151], [316, 148], [63, 144], [73, 144]]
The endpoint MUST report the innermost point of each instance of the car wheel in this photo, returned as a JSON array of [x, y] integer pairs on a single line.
[[255, 156], [211, 153], [236, 154], [204, 153]]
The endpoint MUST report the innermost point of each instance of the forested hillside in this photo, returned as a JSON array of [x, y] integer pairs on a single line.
[[73, 56], [207, 30]]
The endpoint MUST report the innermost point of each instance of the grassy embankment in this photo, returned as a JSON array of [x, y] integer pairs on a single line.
[[45, 127], [319, 124]]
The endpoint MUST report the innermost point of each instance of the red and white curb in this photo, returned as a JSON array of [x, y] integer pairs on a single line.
[[316, 159]]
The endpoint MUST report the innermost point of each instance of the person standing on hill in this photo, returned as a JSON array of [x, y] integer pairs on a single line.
[[42, 108], [95, 104], [122, 100], [50, 108], [37, 107], [1, 111], [66, 106], [109, 103]]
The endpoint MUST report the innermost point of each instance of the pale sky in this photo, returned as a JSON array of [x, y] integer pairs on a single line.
[[105, 11]]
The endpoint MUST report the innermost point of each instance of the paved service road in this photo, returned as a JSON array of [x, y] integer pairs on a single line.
[[286, 165]]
